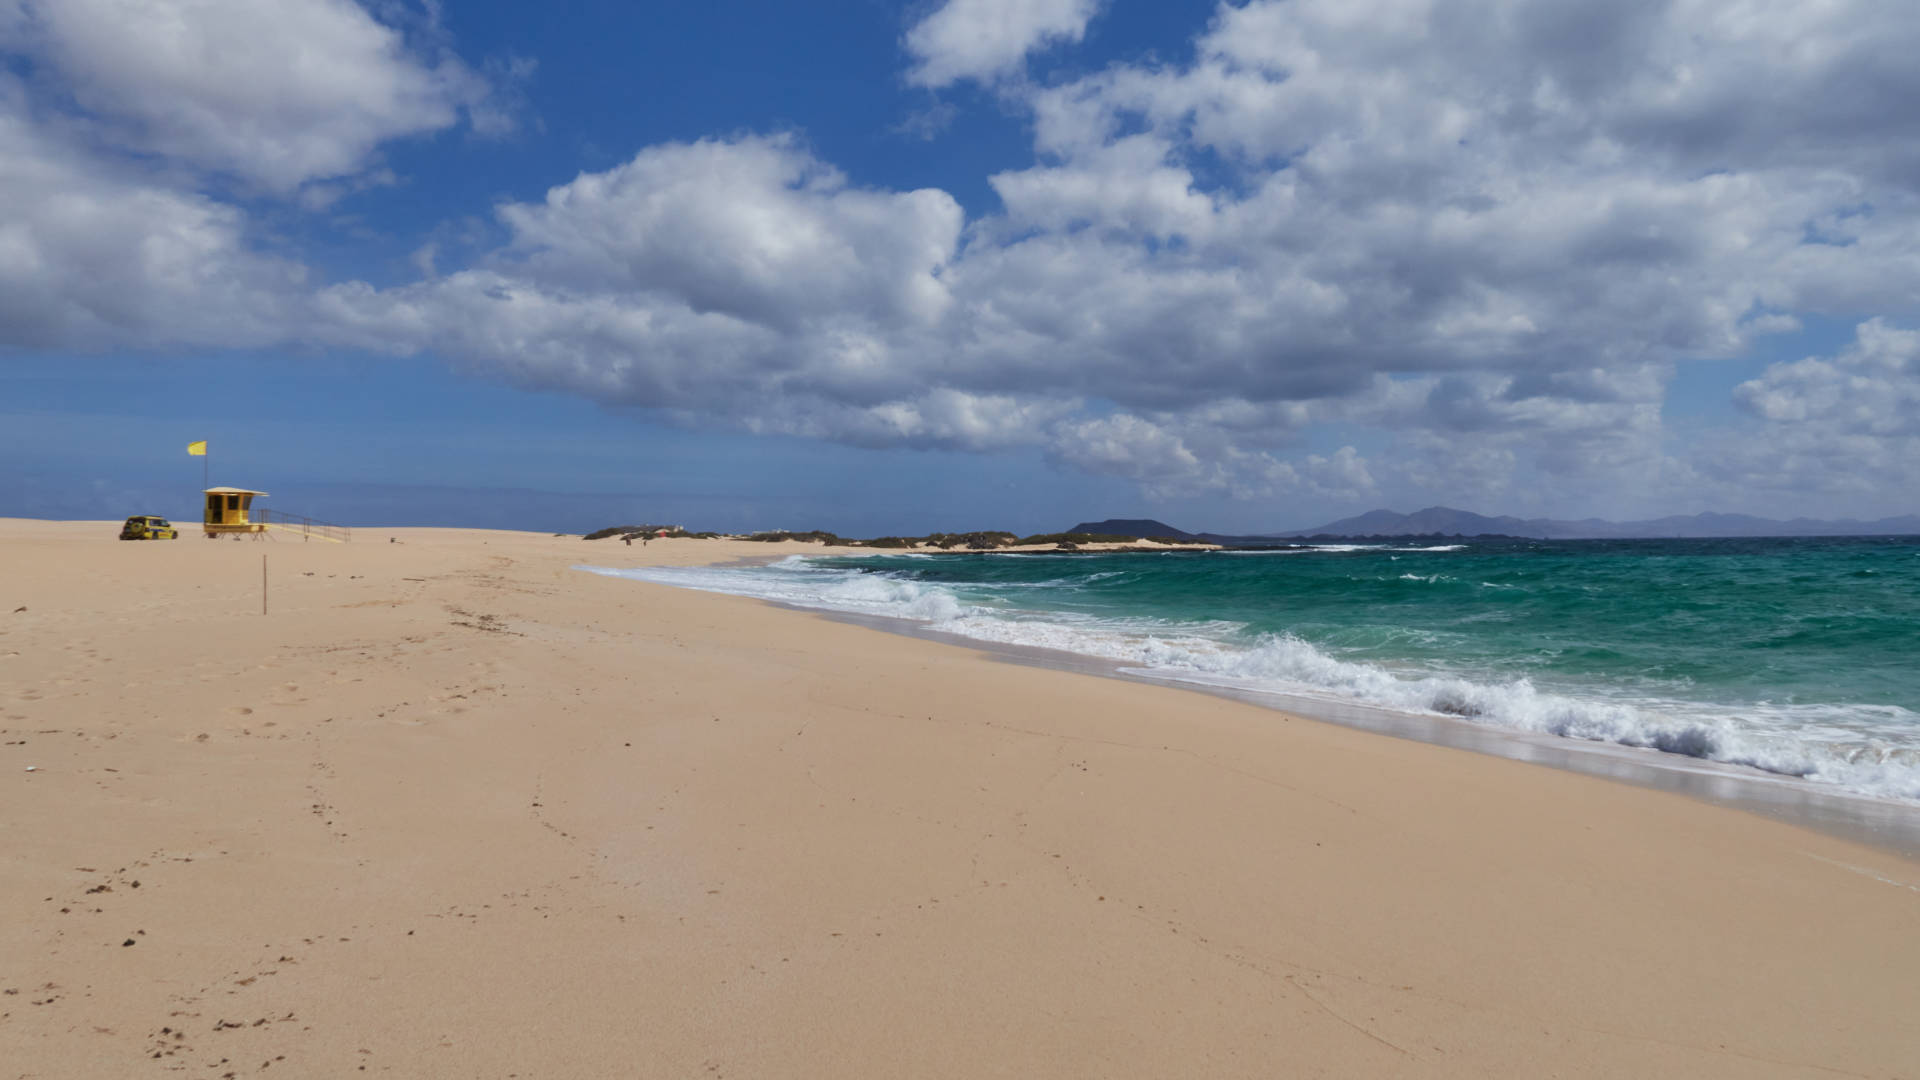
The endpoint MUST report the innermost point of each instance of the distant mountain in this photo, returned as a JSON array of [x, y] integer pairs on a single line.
[[1450, 522], [1434, 519], [1141, 527], [1446, 521]]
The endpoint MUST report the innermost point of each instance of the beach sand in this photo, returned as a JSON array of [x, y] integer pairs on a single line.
[[453, 809]]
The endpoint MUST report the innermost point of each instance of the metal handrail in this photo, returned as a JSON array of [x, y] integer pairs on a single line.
[[305, 526]]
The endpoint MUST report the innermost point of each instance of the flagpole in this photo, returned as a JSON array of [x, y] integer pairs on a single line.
[[198, 448]]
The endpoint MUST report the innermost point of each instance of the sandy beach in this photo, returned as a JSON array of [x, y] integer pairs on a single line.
[[452, 808]]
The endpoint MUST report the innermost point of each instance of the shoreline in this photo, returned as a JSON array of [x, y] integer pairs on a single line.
[[455, 809], [1889, 824]]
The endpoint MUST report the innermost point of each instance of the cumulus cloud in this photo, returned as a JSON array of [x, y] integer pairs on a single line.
[[737, 278], [757, 228], [276, 94], [985, 39], [1524, 441], [1173, 457], [1871, 388], [1847, 423], [93, 257], [120, 122], [1126, 445]]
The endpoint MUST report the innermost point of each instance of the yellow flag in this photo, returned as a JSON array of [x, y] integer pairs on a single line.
[[197, 449]]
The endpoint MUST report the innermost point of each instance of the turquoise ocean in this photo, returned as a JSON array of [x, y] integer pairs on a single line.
[[1798, 657]]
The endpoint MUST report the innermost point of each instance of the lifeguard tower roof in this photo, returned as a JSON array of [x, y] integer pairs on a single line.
[[231, 491]]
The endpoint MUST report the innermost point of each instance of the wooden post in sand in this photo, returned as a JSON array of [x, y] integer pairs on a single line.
[[263, 584]]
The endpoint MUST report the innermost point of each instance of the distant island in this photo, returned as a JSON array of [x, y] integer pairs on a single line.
[[993, 540], [1433, 523], [1447, 522]]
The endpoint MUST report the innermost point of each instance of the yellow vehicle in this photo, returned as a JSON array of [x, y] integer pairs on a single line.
[[148, 527]]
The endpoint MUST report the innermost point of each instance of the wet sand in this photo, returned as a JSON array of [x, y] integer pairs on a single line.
[[454, 809]]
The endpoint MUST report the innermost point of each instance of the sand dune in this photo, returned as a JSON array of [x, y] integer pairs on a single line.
[[452, 808]]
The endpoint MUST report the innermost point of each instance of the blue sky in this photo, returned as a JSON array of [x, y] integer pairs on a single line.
[[888, 267]]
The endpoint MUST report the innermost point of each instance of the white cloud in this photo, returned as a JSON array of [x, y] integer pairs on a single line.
[[1342, 474], [1845, 424], [1871, 388], [742, 280], [1526, 441], [985, 39], [278, 94], [1130, 181], [754, 227], [94, 257], [117, 116], [1173, 457], [1140, 450]]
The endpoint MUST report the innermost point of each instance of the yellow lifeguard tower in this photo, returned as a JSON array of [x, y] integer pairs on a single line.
[[228, 512]]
